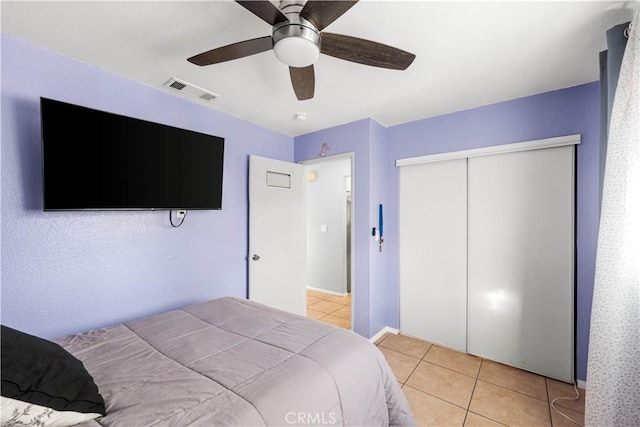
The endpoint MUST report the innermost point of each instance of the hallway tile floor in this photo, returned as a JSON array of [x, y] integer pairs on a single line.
[[332, 309]]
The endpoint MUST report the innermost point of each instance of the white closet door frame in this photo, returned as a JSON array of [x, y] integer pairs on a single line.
[[496, 149]]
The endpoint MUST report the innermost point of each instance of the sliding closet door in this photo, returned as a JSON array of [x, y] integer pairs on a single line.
[[433, 252], [521, 260]]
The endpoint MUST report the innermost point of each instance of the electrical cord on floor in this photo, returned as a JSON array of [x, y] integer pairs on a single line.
[[567, 398]]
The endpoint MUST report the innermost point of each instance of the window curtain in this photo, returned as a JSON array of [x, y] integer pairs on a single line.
[[610, 62], [613, 370]]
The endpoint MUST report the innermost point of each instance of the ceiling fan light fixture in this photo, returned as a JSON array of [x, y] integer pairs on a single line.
[[296, 52], [296, 44]]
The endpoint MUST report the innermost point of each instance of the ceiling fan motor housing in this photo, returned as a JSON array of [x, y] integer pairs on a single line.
[[296, 42]]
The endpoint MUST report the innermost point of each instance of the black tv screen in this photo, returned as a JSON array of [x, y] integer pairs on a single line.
[[94, 160]]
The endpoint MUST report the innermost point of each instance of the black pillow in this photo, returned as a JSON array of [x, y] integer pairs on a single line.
[[38, 371]]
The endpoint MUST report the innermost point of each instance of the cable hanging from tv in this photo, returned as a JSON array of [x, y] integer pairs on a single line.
[[181, 215]]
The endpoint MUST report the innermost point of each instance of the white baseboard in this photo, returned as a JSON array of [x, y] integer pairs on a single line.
[[385, 330], [582, 384], [327, 292]]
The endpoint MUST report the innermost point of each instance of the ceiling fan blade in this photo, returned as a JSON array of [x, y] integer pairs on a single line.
[[365, 52], [233, 51], [323, 13], [264, 10], [303, 81]]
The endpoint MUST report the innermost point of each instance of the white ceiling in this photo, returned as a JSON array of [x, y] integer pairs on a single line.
[[468, 54]]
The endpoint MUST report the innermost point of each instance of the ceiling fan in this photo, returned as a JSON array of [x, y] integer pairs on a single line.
[[297, 40]]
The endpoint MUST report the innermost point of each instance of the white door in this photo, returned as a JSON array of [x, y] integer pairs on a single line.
[[433, 252], [521, 247], [277, 234]]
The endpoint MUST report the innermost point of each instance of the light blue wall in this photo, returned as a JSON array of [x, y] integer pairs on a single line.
[[379, 310], [367, 139], [350, 138], [64, 272]]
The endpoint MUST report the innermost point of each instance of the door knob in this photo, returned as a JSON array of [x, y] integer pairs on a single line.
[[255, 257]]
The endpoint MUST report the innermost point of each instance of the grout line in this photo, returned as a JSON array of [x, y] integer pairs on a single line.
[[401, 352], [546, 389], [489, 418], [466, 414], [515, 391], [381, 339], [437, 397], [427, 352], [475, 383], [325, 315], [414, 369]]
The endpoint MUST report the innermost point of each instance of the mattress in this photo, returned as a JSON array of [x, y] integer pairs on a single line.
[[235, 362]]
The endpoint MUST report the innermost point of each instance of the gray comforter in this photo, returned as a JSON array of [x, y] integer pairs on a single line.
[[235, 362]]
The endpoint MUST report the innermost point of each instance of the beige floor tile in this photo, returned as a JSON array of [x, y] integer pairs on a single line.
[[514, 379], [560, 389], [317, 294], [559, 421], [431, 411], [407, 345], [312, 300], [344, 312], [315, 314], [325, 306], [444, 383], [475, 420], [339, 299], [336, 321], [382, 338], [461, 362], [401, 364], [508, 406]]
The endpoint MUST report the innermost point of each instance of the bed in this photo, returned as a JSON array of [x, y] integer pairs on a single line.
[[235, 362]]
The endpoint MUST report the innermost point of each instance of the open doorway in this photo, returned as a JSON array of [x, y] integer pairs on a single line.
[[330, 228]]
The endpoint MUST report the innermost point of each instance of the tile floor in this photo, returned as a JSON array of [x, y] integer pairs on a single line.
[[448, 388], [332, 309]]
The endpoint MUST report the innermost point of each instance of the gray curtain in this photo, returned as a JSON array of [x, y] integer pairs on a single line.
[[610, 61]]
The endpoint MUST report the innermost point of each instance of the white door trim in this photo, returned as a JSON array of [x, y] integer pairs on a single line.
[[496, 149]]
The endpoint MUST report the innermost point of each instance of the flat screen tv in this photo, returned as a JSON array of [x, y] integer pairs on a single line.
[[94, 160]]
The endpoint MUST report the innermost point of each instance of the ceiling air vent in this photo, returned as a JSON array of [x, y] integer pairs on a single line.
[[208, 96], [177, 85], [191, 90]]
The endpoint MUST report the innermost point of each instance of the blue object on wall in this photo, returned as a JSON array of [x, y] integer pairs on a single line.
[[381, 229]]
